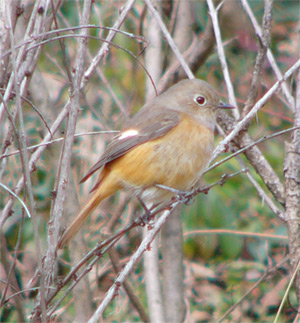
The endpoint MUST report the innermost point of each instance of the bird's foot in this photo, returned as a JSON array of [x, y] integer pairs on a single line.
[[185, 197], [147, 217]]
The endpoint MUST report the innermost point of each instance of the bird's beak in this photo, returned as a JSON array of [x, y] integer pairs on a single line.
[[223, 105]]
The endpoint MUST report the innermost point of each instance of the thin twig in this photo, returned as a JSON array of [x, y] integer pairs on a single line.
[[33, 107], [264, 41], [105, 47], [254, 143], [65, 59], [128, 288], [50, 142], [287, 292], [270, 56], [43, 42], [12, 267], [11, 275], [195, 55], [17, 197], [266, 199], [61, 30], [221, 54], [170, 40], [230, 232]]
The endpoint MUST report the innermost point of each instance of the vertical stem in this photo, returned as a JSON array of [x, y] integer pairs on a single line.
[[54, 224], [292, 186], [22, 142], [153, 63]]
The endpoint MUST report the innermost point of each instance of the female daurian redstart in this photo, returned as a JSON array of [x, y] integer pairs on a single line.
[[169, 141]]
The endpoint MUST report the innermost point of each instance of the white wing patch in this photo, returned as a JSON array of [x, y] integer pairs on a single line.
[[128, 133]]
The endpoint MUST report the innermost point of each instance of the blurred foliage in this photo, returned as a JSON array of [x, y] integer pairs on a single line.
[[220, 268]]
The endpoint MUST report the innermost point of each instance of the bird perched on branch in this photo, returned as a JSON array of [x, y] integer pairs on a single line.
[[168, 142]]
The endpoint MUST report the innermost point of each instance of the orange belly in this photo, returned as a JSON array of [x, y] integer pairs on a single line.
[[175, 160]]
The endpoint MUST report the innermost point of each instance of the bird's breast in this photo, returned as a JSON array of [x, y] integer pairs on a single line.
[[175, 160], [183, 153]]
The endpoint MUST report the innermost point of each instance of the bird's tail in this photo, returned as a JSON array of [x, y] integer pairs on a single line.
[[98, 195]]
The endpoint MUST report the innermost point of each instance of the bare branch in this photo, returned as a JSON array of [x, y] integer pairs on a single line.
[[129, 290], [264, 41], [292, 186], [47, 143], [170, 40], [153, 62], [63, 178], [104, 49], [195, 55], [214, 16], [270, 56]]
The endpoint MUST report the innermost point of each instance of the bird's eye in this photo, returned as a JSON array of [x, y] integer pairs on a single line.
[[200, 100]]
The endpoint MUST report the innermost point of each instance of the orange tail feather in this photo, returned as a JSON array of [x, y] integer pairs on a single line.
[[104, 190]]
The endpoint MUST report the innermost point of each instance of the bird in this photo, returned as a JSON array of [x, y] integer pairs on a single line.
[[166, 144]]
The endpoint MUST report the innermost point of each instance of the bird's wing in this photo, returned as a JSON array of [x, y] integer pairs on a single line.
[[146, 125]]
